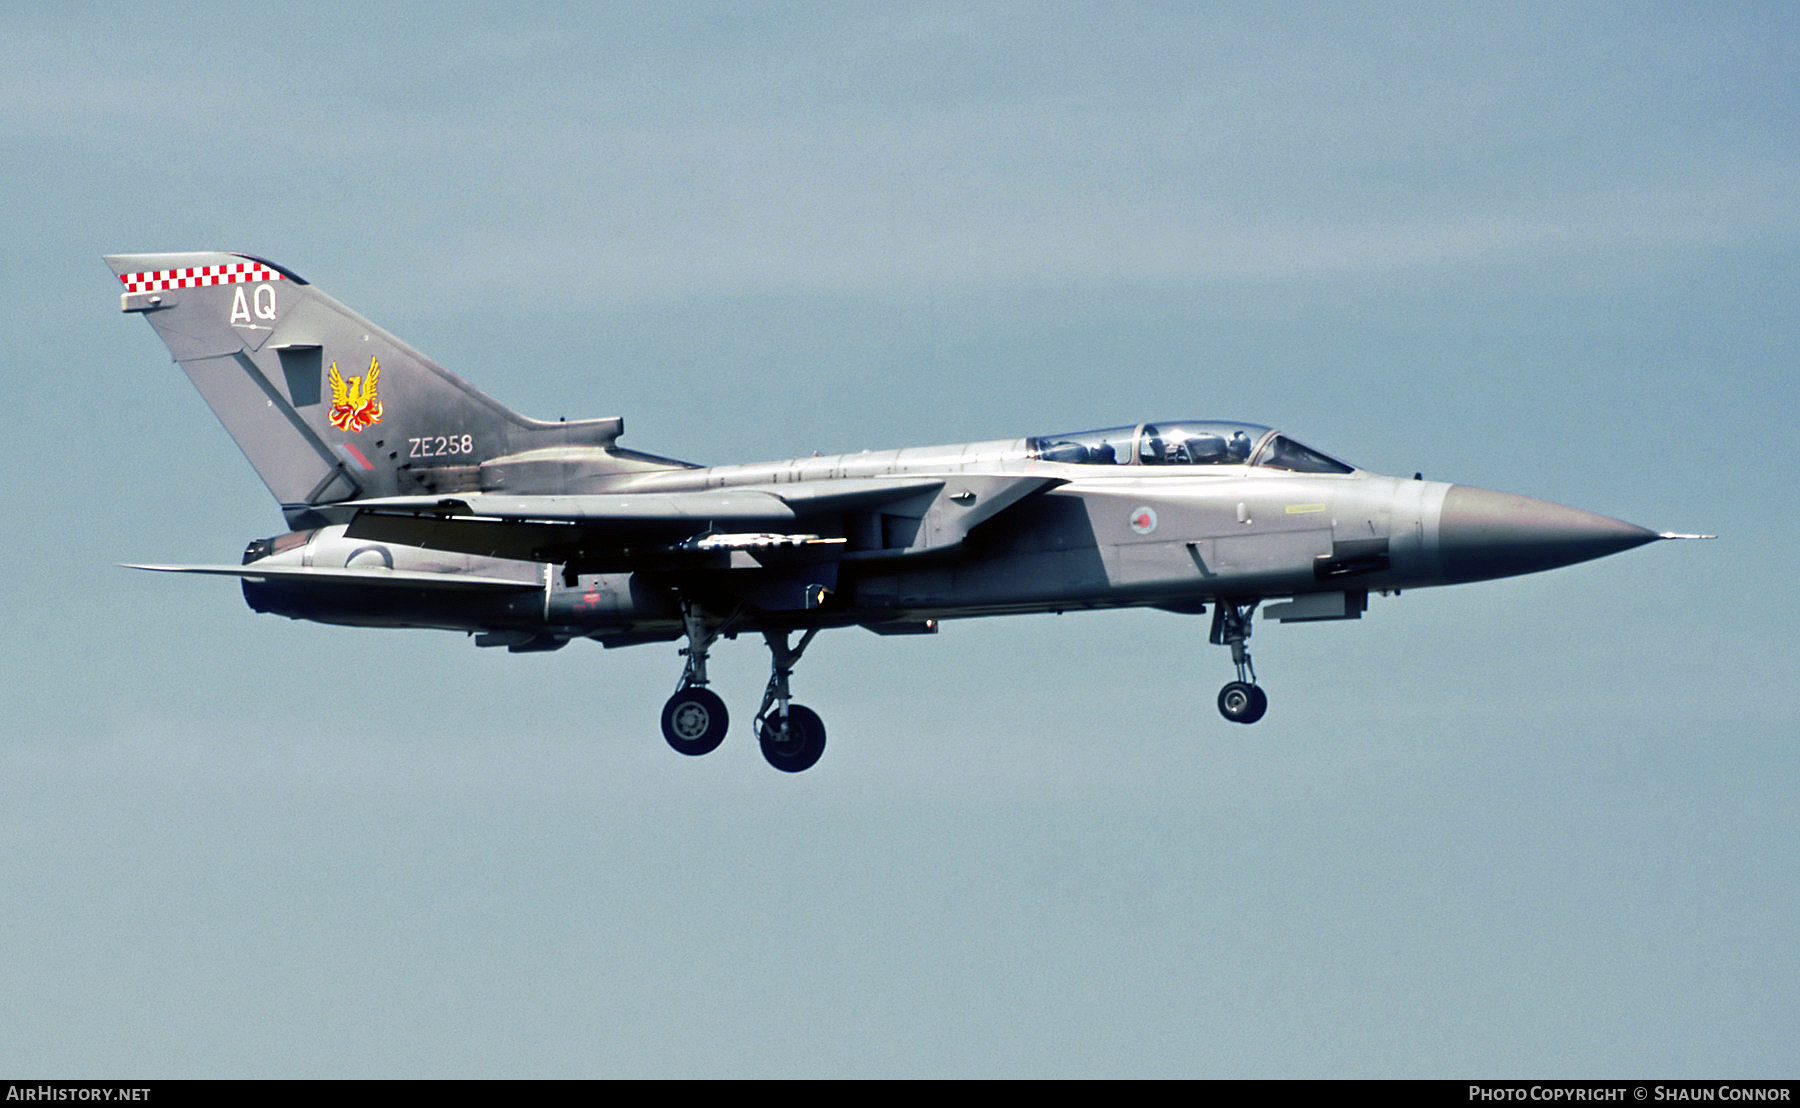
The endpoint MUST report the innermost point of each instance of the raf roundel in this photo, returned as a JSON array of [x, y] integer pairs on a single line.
[[1143, 520]]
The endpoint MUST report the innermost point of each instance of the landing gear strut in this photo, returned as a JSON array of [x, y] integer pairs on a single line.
[[792, 737], [694, 720], [1242, 701]]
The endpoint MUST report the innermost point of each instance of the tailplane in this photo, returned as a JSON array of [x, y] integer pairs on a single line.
[[329, 407]]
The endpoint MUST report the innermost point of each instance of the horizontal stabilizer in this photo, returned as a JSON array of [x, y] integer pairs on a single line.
[[391, 578]]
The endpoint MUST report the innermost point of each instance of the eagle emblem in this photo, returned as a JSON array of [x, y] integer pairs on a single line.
[[354, 403]]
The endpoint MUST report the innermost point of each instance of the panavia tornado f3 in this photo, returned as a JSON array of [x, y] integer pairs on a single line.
[[414, 500]]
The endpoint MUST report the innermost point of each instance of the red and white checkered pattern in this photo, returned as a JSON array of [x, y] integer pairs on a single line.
[[231, 274]]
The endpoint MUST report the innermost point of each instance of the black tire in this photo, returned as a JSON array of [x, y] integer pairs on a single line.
[[796, 747], [694, 721], [1241, 702]]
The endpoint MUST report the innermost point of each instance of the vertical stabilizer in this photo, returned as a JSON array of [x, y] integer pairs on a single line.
[[327, 406]]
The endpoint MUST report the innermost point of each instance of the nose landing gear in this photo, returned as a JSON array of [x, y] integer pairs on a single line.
[[1241, 701]]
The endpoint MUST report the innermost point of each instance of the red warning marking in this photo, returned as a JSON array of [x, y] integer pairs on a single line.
[[235, 273]]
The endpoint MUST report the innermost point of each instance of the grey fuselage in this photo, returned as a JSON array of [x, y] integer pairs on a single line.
[[1106, 536]]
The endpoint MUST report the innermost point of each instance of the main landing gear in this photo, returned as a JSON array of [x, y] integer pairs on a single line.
[[792, 737], [1242, 701], [694, 719]]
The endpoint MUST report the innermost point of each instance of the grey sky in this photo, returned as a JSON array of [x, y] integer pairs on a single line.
[[1543, 826]]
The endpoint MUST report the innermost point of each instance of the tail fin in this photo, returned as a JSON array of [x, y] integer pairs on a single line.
[[327, 406]]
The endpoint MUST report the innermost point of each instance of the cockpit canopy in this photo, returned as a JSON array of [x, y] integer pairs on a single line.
[[1187, 442]]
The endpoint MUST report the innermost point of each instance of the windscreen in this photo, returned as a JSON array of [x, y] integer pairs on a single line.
[[1284, 453]]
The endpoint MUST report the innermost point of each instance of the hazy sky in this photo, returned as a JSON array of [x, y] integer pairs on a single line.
[[1544, 826]]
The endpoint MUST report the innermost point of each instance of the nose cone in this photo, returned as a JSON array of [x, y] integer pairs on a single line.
[[1482, 534]]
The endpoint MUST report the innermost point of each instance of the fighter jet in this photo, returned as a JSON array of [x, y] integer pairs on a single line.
[[414, 500]]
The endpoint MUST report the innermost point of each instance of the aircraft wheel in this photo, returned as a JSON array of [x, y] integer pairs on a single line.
[[694, 721], [1241, 702], [794, 746]]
